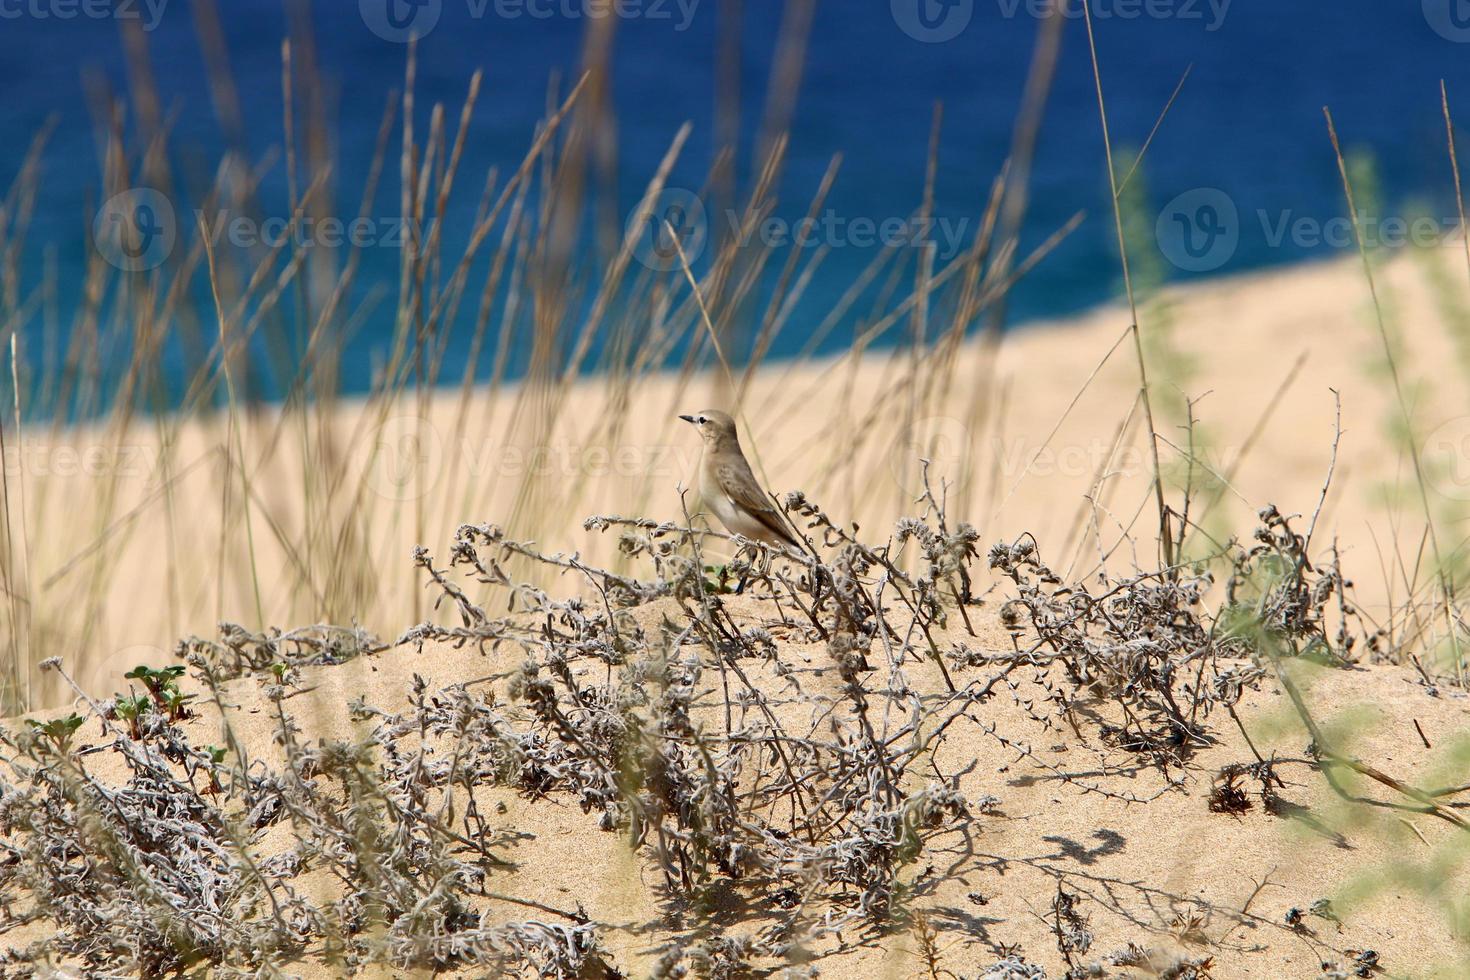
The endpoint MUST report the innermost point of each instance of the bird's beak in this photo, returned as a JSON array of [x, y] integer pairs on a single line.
[[688, 418]]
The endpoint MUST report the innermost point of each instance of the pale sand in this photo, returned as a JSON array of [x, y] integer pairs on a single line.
[[1168, 875], [163, 569], [1245, 336]]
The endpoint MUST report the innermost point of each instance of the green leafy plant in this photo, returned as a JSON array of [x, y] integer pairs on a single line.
[[721, 581], [58, 730], [216, 760], [163, 686], [131, 710]]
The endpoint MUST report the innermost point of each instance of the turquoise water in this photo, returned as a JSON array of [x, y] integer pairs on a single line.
[[1240, 176]]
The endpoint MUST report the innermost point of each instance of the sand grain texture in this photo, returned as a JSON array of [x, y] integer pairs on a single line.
[[1167, 875]]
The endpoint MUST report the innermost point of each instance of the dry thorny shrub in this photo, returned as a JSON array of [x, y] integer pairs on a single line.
[[810, 804], [1149, 645]]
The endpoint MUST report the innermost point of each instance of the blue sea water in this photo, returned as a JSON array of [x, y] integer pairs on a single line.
[[1241, 173]]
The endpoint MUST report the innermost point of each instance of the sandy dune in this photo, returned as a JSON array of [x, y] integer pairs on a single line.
[[1042, 434], [1149, 863], [132, 545]]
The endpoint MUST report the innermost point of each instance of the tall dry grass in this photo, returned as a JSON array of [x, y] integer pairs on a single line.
[[188, 450], [164, 485]]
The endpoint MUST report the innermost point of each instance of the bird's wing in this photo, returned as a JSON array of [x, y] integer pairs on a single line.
[[739, 484]]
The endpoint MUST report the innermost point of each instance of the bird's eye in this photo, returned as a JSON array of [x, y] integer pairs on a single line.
[[702, 420]]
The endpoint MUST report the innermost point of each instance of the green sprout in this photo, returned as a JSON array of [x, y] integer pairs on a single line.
[[720, 584], [58, 730], [163, 685], [176, 703], [156, 678], [216, 759], [131, 710]]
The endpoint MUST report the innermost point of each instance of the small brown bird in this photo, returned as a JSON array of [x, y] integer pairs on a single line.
[[729, 488]]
